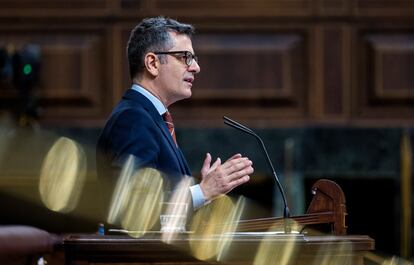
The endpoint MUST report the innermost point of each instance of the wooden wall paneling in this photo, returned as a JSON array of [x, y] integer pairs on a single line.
[[135, 8], [113, 70], [248, 75], [358, 57], [336, 71], [72, 76], [316, 74], [74, 70], [394, 61], [124, 33], [233, 8], [302, 45], [348, 63], [330, 73], [386, 8], [55, 8], [119, 67], [333, 7], [386, 87]]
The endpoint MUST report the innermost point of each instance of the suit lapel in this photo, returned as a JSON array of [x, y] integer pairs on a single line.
[[161, 124], [144, 102]]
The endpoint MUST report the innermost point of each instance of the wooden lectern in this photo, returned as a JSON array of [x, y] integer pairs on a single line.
[[247, 243], [326, 208]]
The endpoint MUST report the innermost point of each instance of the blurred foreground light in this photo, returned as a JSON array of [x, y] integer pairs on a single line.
[[374, 258], [121, 192], [62, 175], [137, 198], [338, 254], [230, 227], [281, 251], [174, 213], [213, 226]]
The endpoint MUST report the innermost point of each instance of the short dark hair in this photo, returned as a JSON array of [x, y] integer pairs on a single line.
[[152, 34]]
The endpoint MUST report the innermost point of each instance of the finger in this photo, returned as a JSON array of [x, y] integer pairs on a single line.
[[240, 181], [240, 174], [234, 157], [213, 167], [236, 164], [237, 182], [206, 165], [215, 164]]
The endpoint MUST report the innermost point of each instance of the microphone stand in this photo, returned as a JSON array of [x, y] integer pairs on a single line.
[[238, 126]]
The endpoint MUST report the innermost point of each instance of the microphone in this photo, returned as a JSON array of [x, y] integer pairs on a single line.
[[240, 127]]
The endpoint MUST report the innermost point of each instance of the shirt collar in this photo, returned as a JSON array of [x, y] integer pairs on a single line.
[[154, 100]]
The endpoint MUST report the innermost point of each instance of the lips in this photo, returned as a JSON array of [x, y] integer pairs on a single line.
[[189, 79]]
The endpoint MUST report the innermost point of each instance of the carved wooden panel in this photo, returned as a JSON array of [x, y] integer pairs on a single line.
[[386, 80], [248, 66], [334, 7], [230, 8], [122, 60], [283, 61], [384, 8], [336, 74], [72, 76], [132, 4], [47, 8], [244, 74], [393, 59], [247, 74]]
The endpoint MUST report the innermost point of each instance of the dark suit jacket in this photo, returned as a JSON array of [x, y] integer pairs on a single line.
[[136, 128]]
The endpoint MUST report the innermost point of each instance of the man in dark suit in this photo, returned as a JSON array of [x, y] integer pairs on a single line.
[[162, 67]]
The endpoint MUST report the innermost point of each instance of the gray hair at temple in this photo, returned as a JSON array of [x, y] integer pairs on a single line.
[[152, 34]]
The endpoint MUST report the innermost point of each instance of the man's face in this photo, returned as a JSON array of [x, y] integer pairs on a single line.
[[176, 78]]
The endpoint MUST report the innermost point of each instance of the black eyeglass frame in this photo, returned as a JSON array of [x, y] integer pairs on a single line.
[[189, 56]]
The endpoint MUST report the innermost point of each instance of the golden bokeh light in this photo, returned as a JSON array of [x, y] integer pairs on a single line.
[[121, 191], [277, 246], [136, 202], [213, 226], [62, 175], [270, 252], [335, 254], [374, 258], [229, 229], [175, 211]]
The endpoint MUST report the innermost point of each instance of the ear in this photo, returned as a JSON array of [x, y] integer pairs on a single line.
[[152, 64]]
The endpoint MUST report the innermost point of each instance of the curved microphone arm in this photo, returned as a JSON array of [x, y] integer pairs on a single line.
[[238, 126]]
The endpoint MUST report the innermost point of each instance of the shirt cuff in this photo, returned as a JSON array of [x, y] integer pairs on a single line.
[[198, 197]]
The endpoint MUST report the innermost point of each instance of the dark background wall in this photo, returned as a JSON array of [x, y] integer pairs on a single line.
[[328, 85]]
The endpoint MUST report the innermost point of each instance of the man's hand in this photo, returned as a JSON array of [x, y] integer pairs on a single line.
[[219, 179]]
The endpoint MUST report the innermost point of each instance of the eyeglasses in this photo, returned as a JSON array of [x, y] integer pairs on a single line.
[[189, 57]]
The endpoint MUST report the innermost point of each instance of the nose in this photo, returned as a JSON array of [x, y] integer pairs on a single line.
[[194, 67]]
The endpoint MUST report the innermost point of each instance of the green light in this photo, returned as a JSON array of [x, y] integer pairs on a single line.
[[27, 69]]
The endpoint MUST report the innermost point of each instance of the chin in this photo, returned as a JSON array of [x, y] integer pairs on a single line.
[[183, 96], [187, 93]]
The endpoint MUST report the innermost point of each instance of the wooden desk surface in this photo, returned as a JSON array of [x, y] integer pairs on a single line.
[[243, 249]]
